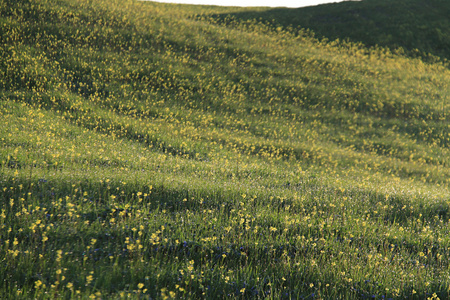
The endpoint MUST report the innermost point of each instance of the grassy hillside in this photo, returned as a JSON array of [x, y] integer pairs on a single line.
[[149, 151], [419, 26]]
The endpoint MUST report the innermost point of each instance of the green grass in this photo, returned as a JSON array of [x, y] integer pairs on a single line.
[[152, 151], [417, 27]]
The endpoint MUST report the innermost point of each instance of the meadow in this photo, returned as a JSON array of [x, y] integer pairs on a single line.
[[154, 151], [421, 28]]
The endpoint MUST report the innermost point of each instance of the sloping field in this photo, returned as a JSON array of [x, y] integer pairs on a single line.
[[420, 27], [153, 151]]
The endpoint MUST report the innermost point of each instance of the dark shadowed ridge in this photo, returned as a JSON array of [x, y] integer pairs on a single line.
[[421, 27]]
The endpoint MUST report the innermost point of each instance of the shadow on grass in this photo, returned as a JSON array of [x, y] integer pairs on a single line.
[[415, 24]]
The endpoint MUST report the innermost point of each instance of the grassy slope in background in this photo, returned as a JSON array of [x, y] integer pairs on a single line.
[[149, 150], [418, 26]]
